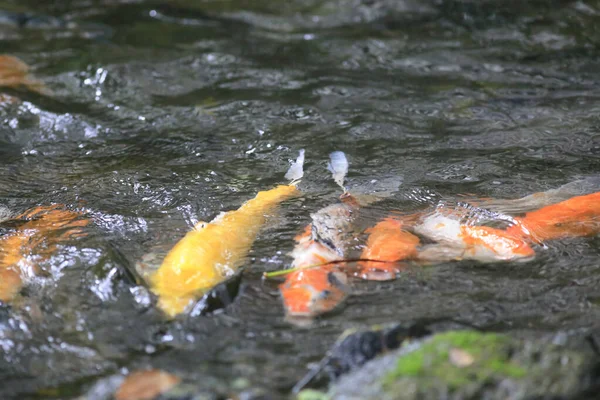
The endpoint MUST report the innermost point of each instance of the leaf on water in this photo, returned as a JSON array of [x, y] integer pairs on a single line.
[[338, 166], [460, 358], [146, 385]]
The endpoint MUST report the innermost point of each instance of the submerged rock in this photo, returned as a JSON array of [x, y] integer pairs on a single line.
[[5, 213], [355, 347], [473, 365], [146, 385]]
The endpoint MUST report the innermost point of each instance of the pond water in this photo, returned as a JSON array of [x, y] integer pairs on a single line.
[[163, 113]]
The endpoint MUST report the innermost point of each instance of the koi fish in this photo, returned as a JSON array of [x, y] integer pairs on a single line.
[[33, 241], [213, 251], [387, 244], [14, 74], [393, 239], [577, 216], [309, 292], [457, 234], [538, 200], [318, 285], [458, 241]]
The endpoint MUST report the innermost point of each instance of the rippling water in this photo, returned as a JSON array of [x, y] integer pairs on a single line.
[[163, 113]]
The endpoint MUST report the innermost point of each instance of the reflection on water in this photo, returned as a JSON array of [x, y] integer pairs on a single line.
[[159, 114]]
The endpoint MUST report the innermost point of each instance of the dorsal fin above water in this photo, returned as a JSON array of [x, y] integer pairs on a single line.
[[296, 171], [338, 166]]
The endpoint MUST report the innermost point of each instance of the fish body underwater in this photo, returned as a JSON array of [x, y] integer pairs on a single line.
[[15, 74], [456, 240], [213, 251], [35, 240], [535, 201], [557, 217], [318, 283], [387, 244], [577, 216]]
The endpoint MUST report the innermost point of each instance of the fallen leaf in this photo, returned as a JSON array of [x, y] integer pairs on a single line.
[[460, 358], [146, 385]]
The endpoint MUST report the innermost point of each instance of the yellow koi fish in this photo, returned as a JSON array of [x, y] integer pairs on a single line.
[[213, 251]]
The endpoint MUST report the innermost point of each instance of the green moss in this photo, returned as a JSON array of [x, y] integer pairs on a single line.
[[489, 357], [309, 394]]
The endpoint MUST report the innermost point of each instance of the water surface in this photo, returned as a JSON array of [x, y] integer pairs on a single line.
[[163, 113]]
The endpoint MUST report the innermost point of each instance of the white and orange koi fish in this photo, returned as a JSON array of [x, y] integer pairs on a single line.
[[456, 240], [213, 251], [457, 234], [318, 283]]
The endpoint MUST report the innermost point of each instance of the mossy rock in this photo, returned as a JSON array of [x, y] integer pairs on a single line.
[[309, 394], [457, 358], [471, 365]]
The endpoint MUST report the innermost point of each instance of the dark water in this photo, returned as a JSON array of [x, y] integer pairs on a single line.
[[163, 113]]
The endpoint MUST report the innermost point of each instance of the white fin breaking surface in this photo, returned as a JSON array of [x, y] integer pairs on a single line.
[[338, 166], [296, 171]]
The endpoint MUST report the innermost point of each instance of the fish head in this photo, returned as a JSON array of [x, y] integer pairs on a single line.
[[334, 227], [310, 292]]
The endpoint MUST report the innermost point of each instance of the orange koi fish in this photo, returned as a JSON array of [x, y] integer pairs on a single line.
[[577, 216], [388, 243], [309, 292], [32, 242], [213, 251], [14, 74]]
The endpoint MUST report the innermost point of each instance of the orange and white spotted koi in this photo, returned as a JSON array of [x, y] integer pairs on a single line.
[[309, 292]]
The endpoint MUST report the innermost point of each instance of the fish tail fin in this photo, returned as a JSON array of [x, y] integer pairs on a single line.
[[338, 166], [296, 170]]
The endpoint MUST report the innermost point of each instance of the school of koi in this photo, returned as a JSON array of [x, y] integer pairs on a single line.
[[318, 279]]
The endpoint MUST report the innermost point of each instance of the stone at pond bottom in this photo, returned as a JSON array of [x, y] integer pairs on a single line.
[[145, 385], [498, 367]]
